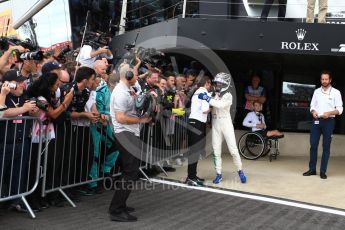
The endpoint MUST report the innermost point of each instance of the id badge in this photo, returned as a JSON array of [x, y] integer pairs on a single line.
[[17, 121], [316, 122]]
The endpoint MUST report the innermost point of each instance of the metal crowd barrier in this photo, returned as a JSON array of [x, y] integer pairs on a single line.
[[19, 160], [79, 155], [165, 140], [76, 156]]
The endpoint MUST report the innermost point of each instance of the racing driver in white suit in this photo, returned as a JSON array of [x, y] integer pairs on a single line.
[[222, 127]]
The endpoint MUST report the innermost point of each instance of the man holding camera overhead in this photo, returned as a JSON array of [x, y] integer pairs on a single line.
[[94, 49]]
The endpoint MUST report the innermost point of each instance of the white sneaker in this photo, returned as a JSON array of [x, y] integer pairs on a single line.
[[178, 162]]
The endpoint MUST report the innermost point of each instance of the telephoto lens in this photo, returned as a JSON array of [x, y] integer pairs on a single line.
[[37, 55]]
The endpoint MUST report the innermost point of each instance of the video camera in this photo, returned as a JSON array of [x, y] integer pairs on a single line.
[[145, 104], [96, 39], [150, 56]]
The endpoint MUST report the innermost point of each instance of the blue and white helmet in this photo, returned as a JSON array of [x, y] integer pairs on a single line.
[[223, 79]]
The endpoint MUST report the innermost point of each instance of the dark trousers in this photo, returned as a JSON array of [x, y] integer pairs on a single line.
[[325, 127], [129, 147], [196, 145], [81, 154], [281, 9], [14, 161]]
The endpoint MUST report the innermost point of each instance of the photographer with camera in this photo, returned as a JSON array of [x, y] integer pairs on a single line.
[[14, 157], [126, 125], [42, 92], [5, 58], [89, 54], [150, 84], [81, 115]]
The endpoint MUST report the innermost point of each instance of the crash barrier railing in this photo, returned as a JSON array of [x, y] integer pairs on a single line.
[[78, 155], [165, 140], [19, 160], [68, 155]]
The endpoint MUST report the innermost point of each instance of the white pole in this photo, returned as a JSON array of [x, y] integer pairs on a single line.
[[123, 16], [184, 8]]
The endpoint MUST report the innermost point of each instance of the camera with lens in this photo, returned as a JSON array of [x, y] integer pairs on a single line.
[[96, 39], [12, 85], [145, 104], [39, 104], [68, 87], [37, 55], [151, 56]]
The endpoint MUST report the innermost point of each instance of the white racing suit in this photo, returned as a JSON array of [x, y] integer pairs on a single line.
[[222, 128]]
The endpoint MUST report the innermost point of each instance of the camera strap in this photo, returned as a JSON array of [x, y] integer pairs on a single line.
[[16, 105]]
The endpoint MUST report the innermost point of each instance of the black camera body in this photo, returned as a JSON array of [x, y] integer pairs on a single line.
[[67, 88], [151, 56], [39, 104], [96, 39]]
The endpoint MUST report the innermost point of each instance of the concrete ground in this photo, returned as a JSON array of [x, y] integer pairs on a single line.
[[281, 178]]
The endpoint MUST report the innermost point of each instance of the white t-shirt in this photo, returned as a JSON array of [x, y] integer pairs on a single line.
[[123, 100], [85, 59]]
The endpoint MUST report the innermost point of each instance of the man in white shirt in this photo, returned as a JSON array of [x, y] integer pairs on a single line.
[[87, 55], [126, 125], [325, 105], [197, 131]]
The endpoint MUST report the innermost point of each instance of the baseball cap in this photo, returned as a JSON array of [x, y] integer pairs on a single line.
[[13, 75], [50, 66]]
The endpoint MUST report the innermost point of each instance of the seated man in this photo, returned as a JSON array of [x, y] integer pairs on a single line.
[[256, 121]]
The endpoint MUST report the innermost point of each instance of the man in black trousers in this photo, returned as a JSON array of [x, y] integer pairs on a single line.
[[197, 131], [281, 9], [127, 130]]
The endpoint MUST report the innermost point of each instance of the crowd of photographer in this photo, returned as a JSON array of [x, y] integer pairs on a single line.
[[71, 103]]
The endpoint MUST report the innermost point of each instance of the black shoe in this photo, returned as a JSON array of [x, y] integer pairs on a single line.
[[85, 191], [169, 169], [309, 173], [323, 175], [130, 209], [200, 179], [20, 207], [43, 204], [96, 190], [122, 216], [193, 182]]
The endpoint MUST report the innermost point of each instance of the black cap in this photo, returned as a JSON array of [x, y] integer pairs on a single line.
[[50, 66], [13, 75]]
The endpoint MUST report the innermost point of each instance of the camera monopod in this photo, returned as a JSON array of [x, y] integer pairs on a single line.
[[82, 43]]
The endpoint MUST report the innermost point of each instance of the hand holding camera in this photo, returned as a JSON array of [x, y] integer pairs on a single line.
[[68, 97], [6, 88], [30, 106]]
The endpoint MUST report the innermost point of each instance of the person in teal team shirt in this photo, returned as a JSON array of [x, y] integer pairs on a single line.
[[103, 138]]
